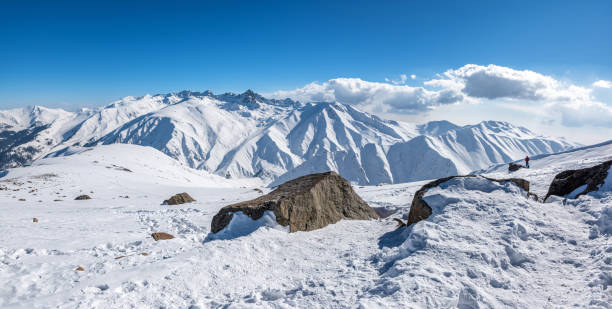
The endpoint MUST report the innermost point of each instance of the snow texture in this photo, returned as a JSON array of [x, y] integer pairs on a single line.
[[243, 225], [485, 246]]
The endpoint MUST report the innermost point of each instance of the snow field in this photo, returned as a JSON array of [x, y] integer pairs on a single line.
[[486, 245]]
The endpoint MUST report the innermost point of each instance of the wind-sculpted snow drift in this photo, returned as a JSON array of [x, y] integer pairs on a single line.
[[420, 210], [248, 135], [495, 248]]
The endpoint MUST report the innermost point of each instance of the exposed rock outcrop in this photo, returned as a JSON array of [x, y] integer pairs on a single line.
[[419, 210], [568, 181], [82, 197], [513, 167], [178, 199], [400, 223], [161, 236], [533, 196], [307, 203]]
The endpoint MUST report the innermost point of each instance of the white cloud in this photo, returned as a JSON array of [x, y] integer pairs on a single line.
[[401, 81], [494, 82], [412, 76], [603, 84], [578, 114], [573, 105], [373, 96]]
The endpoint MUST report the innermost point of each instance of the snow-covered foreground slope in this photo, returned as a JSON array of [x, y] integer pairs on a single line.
[[486, 245], [246, 135]]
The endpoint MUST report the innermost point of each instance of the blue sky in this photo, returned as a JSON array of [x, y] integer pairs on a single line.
[[69, 54]]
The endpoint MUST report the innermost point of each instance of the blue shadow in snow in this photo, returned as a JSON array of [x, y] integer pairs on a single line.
[[394, 238]]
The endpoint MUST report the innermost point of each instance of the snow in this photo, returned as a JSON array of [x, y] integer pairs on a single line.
[[243, 225], [485, 245], [545, 167], [607, 185], [576, 191], [28, 133], [246, 135]]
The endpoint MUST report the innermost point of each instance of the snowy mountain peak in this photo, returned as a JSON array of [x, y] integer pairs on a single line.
[[437, 127], [248, 135], [189, 93], [503, 128]]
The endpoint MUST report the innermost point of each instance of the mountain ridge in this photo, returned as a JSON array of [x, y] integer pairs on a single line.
[[248, 135]]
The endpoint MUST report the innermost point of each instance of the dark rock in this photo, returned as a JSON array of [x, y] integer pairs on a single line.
[[533, 195], [419, 210], [79, 268], [568, 181], [258, 190], [178, 199], [35, 220], [513, 167], [400, 223], [82, 197], [304, 204], [123, 169], [161, 236]]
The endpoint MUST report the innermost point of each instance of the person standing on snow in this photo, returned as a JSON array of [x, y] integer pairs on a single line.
[[527, 161]]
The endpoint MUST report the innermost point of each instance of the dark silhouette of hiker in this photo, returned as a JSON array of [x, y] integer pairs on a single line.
[[527, 161]]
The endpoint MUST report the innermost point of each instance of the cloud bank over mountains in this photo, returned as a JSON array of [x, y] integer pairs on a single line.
[[571, 104]]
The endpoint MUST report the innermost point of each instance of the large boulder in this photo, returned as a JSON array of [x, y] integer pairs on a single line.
[[303, 204], [178, 199], [420, 210], [579, 182]]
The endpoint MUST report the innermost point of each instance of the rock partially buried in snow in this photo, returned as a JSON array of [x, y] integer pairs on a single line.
[[513, 167], [178, 199], [161, 236], [304, 204], [35, 220], [573, 183], [420, 210], [82, 197]]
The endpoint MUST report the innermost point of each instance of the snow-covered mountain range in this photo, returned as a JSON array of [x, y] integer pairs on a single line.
[[247, 135]]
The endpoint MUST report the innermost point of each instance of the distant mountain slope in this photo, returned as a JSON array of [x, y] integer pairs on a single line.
[[27, 133], [247, 135], [261, 138], [464, 149]]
